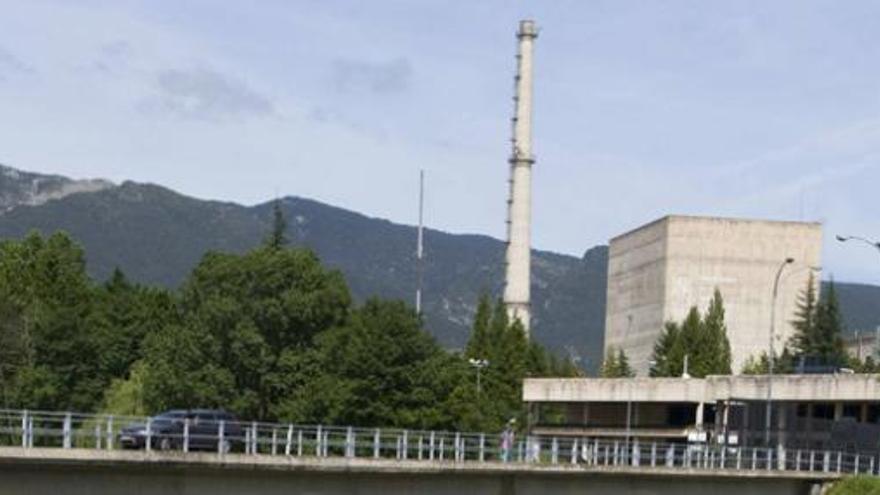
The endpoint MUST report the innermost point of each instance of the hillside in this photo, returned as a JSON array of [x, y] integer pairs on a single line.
[[157, 235]]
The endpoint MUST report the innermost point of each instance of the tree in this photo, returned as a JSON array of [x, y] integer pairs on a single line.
[[246, 320], [479, 344], [702, 339], [512, 357], [616, 365], [829, 326], [379, 369], [46, 298], [668, 353], [124, 314], [818, 327], [783, 364], [804, 340], [277, 238], [718, 354]]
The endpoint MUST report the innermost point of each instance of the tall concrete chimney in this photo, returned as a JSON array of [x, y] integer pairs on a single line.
[[519, 214]]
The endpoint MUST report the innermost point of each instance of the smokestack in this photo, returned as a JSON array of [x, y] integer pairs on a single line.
[[519, 214]]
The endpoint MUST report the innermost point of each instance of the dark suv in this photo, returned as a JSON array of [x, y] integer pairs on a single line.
[[167, 431]]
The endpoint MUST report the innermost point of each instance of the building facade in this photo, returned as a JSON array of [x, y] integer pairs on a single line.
[[657, 272], [839, 411]]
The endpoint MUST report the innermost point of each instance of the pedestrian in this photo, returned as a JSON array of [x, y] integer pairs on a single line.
[[507, 440]]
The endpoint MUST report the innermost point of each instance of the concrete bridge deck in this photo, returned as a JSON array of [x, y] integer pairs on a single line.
[[55, 471]]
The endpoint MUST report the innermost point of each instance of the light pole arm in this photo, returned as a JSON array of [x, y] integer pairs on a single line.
[[873, 244]]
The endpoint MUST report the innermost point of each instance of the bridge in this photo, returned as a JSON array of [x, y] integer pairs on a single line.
[[49, 452]]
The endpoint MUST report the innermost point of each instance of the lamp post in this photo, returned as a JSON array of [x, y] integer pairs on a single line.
[[846, 238], [479, 364], [771, 355]]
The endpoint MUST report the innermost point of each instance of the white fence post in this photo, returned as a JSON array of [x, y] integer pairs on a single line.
[[66, 431], [24, 429], [110, 432], [221, 437]]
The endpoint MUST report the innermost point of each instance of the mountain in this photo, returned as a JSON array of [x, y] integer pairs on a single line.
[[25, 188], [859, 305], [156, 236]]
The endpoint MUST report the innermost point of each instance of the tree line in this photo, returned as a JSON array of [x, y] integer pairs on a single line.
[[701, 340], [270, 335]]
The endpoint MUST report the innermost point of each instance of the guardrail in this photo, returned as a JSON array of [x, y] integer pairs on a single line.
[[29, 429]]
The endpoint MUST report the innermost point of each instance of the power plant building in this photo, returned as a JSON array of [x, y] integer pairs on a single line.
[[657, 272]]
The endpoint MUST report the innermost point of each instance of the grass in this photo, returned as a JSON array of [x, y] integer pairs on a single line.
[[856, 485]]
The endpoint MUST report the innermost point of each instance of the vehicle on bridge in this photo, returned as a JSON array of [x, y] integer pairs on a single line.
[[181, 429]]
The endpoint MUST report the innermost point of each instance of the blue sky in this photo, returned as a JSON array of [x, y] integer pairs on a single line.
[[642, 108]]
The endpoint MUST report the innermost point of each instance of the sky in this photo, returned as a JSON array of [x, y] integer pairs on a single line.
[[750, 109]]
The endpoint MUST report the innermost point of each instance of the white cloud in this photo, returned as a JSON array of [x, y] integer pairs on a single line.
[[205, 94], [393, 76]]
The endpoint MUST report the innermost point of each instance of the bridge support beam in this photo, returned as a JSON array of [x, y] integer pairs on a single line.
[[102, 472]]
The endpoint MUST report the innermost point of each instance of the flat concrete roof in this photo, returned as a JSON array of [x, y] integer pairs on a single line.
[[666, 218], [793, 388]]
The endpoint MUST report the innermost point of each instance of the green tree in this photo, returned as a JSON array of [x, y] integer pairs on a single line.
[[829, 328], [381, 368], [246, 320], [818, 328], [804, 340], [616, 365], [717, 354], [123, 315], [703, 340], [277, 238], [512, 357], [46, 298], [668, 353], [784, 363], [479, 344]]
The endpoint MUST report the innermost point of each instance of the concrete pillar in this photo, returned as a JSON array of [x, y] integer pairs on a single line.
[[863, 413], [838, 411], [725, 420], [781, 423], [699, 416]]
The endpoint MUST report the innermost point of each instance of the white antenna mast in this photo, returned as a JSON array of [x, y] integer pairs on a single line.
[[420, 251]]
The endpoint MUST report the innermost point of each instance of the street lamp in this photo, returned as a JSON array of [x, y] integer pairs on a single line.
[[479, 364], [845, 238], [771, 355]]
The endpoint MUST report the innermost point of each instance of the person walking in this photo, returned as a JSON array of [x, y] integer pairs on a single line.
[[507, 440]]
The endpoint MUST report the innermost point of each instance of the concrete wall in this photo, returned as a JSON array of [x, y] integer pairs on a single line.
[[53, 477], [794, 388], [636, 292], [658, 272]]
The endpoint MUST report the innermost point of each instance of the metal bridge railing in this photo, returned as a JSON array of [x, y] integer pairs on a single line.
[[65, 430]]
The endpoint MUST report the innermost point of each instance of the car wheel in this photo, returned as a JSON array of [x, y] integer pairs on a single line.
[[165, 444]]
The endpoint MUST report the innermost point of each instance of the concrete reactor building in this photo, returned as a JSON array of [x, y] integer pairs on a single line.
[[657, 272]]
